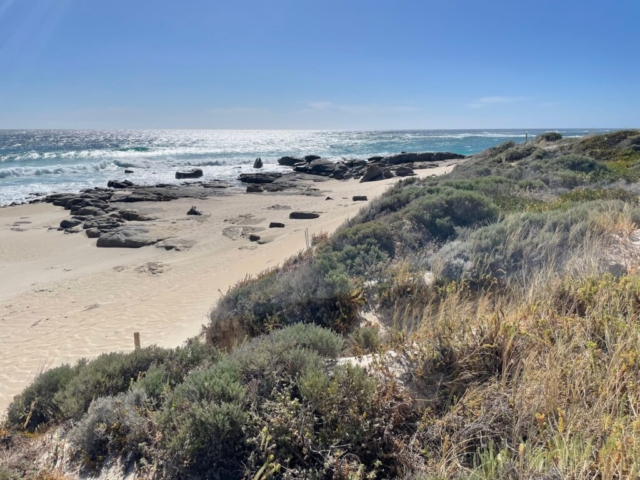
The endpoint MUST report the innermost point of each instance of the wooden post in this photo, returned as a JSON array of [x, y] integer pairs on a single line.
[[136, 340]]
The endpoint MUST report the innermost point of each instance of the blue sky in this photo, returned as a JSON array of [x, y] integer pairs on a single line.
[[319, 64]]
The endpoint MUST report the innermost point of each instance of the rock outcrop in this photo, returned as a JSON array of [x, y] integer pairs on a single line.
[[193, 173], [262, 177], [126, 237]]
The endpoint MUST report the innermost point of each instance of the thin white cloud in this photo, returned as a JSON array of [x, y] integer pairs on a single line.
[[361, 108], [496, 100]]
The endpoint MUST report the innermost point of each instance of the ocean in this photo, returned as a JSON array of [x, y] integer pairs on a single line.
[[48, 161]]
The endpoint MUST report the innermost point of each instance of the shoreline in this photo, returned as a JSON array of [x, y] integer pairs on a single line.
[[63, 299]]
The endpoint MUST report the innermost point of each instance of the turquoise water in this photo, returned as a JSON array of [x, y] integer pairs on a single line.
[[46, 161]]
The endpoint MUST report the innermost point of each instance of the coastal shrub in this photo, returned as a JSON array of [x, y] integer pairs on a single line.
[[108, 374], [111, 426], [289, 295], [178, 362], [580, 163], [341, 418], [355, 251], [438, 216], [518, 152], [548, 137], [364, 340], [36, 405], [155, 384], [324, 342], [203, 419], [526, 241]]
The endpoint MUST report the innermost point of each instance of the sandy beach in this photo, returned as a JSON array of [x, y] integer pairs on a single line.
[[63, 299]]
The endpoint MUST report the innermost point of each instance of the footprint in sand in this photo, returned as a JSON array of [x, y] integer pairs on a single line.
[[234, 233], [279, 207], [152, 268], [245, 219]]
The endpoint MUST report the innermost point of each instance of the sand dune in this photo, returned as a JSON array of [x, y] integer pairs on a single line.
[[62, 299]]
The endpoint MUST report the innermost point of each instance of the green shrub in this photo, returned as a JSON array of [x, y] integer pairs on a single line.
[[356, 250], [108, 374], [580, 163], [548, 137], [36, 405], [203, 421], [302, 293], [438, 216], [341, 417], [518, 152], [324, 342], [155, 384], [364, 340], [111, 426]]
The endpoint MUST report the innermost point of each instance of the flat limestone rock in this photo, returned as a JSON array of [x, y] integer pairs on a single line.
[[126, 237], [261, 178]]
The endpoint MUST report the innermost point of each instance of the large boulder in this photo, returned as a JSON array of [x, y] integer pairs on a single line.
[[289, 161], [126, 237], [119, 184], [93, 232], [320, 166], [372, 174], [263, 177], [70, 223], [90, 211], [404, 171], [193, 173]]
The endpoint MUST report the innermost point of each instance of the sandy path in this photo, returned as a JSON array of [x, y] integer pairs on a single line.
[[62, 299]]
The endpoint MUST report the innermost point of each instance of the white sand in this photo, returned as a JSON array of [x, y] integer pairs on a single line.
[[62, 299]]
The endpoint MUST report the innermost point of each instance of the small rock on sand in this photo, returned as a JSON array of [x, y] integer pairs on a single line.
[[303, 215]]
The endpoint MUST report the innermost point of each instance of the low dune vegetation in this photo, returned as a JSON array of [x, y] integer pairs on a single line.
[[479, 325]]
